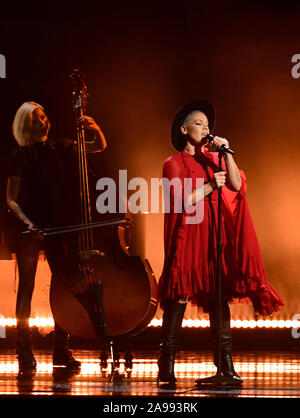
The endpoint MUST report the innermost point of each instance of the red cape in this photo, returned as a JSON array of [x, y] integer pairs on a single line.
[[247, 276]]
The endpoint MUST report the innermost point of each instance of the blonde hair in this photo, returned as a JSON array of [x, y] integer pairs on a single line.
[[22, 123]]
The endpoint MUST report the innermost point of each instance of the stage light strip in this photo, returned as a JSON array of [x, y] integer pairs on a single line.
[[148, 368], [187, 323], [33, 322], [237, 323]]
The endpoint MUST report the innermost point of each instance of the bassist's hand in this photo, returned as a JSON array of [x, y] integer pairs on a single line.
[[89, 123], [35, 232]]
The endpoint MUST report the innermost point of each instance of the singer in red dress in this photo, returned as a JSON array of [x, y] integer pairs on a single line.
[[190, 266]]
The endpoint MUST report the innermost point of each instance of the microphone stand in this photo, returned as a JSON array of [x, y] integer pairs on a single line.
[[219, 379]]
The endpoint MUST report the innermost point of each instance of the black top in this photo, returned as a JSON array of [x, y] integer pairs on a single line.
[[49, 193]]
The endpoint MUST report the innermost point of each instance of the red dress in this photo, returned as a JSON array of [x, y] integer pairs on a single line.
[[191, 249]]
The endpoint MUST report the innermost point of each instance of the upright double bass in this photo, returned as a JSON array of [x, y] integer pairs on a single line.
[[112, 295]]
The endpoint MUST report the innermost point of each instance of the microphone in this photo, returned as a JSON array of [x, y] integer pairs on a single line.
[[210, 138]]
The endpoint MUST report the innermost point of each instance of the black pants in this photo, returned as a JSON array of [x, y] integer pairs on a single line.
[[61, 256]]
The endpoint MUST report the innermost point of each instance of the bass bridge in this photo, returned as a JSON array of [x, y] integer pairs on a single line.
[[86, 255]]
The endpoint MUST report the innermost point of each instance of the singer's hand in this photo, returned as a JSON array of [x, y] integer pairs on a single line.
[[218, 180], [217, 142]]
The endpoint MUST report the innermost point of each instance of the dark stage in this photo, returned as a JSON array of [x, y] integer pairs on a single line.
[[267, 360], [266, 374]]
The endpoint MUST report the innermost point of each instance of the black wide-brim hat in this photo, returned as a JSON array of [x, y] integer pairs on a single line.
[[177, 138]]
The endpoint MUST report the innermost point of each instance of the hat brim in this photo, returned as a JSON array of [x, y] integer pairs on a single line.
[[202, 105]]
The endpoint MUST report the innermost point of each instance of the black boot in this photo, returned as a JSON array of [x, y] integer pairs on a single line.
[[24, 346], [171, 326], [62, 355], [227, 368]]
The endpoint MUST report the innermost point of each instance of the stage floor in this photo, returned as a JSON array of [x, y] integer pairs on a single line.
[[266, 375]]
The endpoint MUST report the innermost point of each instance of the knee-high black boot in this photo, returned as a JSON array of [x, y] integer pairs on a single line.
[[62, 355], [227, 368], [24, 347], [171, 326]]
